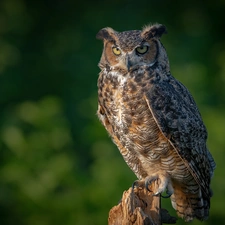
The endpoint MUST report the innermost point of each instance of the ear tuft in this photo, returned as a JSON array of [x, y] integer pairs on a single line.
[[106, 33], [152, 31]]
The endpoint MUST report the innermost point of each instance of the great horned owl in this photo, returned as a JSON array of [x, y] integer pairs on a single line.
[[153, 119]]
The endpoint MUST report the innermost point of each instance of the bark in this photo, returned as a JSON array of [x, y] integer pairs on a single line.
[[139, 206]]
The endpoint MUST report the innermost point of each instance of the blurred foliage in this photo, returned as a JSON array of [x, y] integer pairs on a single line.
[[58, 165]]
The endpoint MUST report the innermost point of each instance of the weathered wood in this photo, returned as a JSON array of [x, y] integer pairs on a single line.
[[138, 206]]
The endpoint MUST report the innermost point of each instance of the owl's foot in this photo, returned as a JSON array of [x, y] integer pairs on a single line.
[[163, 183]]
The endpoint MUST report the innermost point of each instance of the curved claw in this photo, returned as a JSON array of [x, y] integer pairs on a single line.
[[167, 196], [135, 184], [146, 186], [169, 192]]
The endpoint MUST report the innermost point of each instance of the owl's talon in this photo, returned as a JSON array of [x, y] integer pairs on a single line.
[[148, 182], [135, 184], [146, 186], [169, 191], [167, 196], [159, 193], [156, 194]]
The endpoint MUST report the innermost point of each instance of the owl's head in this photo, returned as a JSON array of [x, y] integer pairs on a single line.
[[131, 49]]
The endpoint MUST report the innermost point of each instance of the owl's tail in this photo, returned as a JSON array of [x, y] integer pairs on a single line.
[[190, 204]]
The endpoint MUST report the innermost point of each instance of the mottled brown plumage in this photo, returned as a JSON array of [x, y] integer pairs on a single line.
[[153, 119]]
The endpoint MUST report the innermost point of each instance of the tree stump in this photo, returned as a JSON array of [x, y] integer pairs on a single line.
[[139, 206]]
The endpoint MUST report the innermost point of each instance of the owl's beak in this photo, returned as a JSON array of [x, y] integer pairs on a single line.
[[128, 62]]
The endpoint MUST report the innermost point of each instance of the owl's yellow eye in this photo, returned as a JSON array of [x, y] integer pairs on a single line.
[[142, 49], [116, 50]]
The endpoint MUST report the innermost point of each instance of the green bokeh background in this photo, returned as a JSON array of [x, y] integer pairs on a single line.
[[58, 165]]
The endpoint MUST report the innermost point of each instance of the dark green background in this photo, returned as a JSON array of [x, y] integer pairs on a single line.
[[58, 165]]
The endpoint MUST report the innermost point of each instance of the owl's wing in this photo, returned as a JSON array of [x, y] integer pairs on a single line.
[[177, 116]]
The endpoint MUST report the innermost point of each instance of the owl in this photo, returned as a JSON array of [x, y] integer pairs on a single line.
[[154, 120]]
